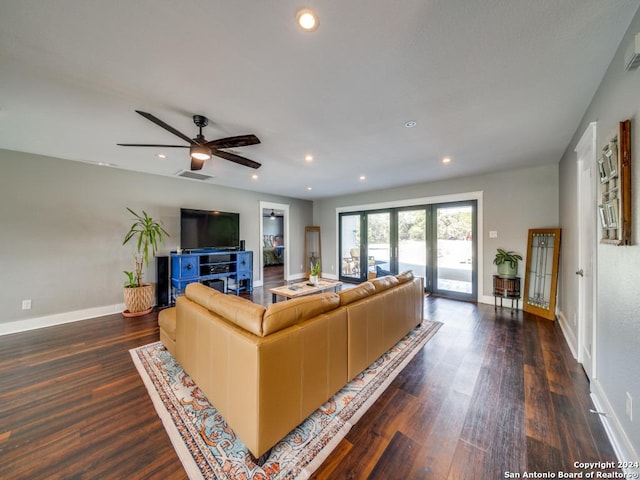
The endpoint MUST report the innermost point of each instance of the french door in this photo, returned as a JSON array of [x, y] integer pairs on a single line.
[[454, 251], [365, 244], [436, 241]]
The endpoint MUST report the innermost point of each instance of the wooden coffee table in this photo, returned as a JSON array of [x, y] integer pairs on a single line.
[[303, 288]]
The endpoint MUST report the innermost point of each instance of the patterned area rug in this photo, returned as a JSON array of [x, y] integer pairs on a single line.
[[209, 449]]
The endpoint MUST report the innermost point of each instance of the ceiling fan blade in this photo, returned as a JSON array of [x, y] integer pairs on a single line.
[[167, 127], [236, 158], [232, 142], [147, 145], [196, 164]]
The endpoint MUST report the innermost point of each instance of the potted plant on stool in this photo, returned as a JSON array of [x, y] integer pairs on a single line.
[[507, 263], [138, 296]]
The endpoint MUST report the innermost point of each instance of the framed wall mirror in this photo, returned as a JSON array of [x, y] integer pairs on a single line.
[[541, 277], [312, 248]]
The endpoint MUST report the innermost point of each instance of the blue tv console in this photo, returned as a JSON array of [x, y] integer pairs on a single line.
[[212, 267]]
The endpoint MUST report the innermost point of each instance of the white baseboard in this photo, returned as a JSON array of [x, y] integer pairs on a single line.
[[491, 300], [58, 319], [330, 276], [621, 444], [488, 299], [568, 333]]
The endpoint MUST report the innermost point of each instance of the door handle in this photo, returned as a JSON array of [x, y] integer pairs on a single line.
[[580, 272]]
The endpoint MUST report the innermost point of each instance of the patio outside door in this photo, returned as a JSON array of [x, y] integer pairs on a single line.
[[412, 241], [350, 233], [455, 273], [436, 241], [365, 243], [379, 248]]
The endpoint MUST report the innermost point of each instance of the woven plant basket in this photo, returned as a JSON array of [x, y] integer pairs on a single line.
[[139, 300]]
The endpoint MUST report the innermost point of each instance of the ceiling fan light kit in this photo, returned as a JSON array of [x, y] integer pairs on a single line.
[[200, 149], [200, 152]]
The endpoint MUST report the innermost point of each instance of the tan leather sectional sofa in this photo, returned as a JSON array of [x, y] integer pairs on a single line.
[[267, 369]]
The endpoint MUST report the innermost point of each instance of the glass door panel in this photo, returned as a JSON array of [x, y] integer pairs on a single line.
[[436, 241], [378, 243], [455, 250], [350, 225], [412, 241]]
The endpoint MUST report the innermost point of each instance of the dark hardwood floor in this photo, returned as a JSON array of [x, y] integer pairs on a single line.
[[490, 393]]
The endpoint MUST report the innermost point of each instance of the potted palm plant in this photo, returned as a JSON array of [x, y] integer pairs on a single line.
[[507, 263], [147, 233]]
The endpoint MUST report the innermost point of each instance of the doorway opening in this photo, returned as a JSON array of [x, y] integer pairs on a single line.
[[274, 239]]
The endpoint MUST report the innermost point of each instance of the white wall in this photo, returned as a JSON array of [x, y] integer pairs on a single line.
[[62, 224], [513, 202], [618, 268], [272, 227]]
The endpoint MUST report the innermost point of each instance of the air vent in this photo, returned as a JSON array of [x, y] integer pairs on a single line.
[[632, 57], [193, 175]]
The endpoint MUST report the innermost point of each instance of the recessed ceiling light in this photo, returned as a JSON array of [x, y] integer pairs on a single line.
[[446, 160], [410, 124], [254, 176], [161, 155], [307, 20], [309, 188], [362, 177], [308, 158]]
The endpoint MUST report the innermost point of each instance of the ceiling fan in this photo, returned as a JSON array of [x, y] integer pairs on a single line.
[[199, 148]]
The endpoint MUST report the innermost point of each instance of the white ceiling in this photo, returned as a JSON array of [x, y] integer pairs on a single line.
[[492, 84]]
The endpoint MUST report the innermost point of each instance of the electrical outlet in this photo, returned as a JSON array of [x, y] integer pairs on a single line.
[[493, 234], [26, 304], [629, 406]]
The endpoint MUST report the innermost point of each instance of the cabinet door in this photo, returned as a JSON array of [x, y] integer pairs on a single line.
[[245, 261], [188, 266]]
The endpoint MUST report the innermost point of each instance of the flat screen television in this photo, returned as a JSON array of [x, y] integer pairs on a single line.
[[206, 229]]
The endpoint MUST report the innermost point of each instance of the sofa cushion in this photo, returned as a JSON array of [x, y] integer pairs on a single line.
[[200, 293], [284, 314], [405, 277], [384, 283], [351, 295], [237, 310]]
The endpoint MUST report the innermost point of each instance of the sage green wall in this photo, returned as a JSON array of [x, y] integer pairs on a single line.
[[513, 202], [618, 268], [62, 225]]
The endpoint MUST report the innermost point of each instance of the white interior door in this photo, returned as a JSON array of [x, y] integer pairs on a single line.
[[587, 239]]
